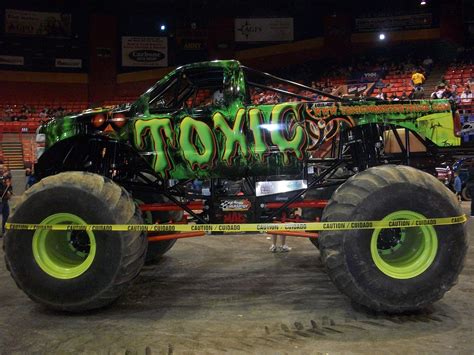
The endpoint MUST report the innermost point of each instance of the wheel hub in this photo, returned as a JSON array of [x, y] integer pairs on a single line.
[[64, 254], [79, 241], [390, 240], [404, 253]]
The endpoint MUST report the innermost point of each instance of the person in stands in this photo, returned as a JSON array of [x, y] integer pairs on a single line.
[[428, 65], [466, 95], [381, 95], [6, 191], [439, 92], [417, 79]]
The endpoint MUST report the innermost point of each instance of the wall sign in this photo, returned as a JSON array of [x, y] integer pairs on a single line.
[[144, 51]]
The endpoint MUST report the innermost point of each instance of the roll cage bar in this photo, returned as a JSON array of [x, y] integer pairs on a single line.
[[285, 81]]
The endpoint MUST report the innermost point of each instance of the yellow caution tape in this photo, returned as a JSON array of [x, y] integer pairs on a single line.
[[247, 227]]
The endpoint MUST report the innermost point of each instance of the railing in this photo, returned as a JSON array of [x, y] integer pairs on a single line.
[[19, 127], [466, 110]]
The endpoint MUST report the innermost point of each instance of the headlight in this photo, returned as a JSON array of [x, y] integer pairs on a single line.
[[99, 120], [118, 120]]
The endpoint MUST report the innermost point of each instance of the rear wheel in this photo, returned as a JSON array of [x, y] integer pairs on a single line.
[[395, 269], [86, 269], [157, 249]]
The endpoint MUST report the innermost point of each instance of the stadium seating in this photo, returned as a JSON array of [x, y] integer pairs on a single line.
[[460, 74], [396, 83]]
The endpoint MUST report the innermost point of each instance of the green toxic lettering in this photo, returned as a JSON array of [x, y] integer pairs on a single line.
[[234, 137], [161, 134], [285, 117], [256, 120], [197, 143]]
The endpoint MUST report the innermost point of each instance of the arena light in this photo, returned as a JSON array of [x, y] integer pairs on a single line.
[[423, 2], [382, 36], [163, 27]]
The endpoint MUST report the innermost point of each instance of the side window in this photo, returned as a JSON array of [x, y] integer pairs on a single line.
[[164, 97], [203, 98], [208, 88], [170, 96]]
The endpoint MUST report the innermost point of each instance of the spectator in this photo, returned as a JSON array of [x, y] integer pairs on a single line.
[[447, 94], [404, 96], [443, 81], [394, 97], [44, 113], [428, 65], [6, 174], [457, 185], [456, 98], [379, 84], [439, 92], [466, 96], [454, 87], [8, 114], [417, 80], [282, 248], [6, 192], [30, 178], [381, 95]]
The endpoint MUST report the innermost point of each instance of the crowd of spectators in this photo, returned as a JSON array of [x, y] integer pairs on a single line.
[[13, 113], [327, 76]]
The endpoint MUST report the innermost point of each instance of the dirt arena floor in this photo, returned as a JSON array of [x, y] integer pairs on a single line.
[[229, 294]]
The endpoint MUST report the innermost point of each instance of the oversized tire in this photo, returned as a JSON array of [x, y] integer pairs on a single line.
[[157, 249], [75, 270], [393, 270]]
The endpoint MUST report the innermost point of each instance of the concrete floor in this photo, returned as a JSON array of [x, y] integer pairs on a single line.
[[229, 294]]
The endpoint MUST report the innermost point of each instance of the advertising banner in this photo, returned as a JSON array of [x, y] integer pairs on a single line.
[[263, 29], [68, 63], [352, 89], [403, 22], [34, 23], [192, 44], [144, 51], [12, 60]]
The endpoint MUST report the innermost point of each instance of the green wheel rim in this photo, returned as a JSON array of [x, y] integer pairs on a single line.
[[404, 253], [64, 254]]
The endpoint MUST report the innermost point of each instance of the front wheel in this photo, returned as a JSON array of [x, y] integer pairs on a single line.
[[75, 270], [397, 269]]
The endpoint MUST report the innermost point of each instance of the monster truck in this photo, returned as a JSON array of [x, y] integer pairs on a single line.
[[268, 150]]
